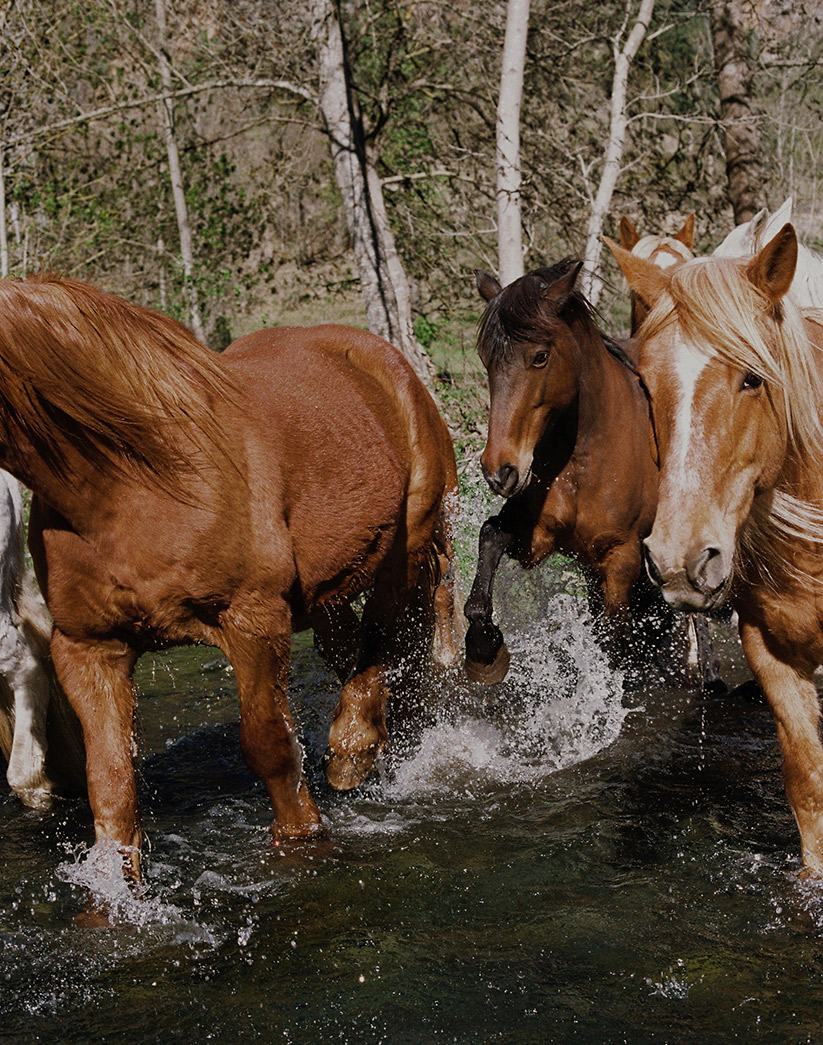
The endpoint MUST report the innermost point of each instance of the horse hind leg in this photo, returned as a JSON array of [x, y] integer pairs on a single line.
[[446, 599]]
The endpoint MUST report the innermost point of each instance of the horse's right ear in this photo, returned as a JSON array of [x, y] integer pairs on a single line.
[[487, 285], [629, 235], [643, 276], [772, 270]]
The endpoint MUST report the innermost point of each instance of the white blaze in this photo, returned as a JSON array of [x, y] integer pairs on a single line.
[[688, 365]]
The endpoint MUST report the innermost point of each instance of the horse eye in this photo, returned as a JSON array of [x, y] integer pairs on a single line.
[[540, 359], [751, 380]]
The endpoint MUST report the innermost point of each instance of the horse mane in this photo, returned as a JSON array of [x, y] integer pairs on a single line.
[[519, 312], [716, 305], [121, 384]]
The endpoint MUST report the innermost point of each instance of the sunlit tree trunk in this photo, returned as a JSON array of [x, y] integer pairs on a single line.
[[509, 222], [731, 22], [618, 123], [383, 279], [176, 178], [4, 239]]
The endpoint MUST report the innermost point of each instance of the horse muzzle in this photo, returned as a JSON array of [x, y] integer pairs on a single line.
[[698, 584], [507, 480]]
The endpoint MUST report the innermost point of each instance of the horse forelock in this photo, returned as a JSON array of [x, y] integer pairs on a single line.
[[522, 312], [121, 383], [720, 312]]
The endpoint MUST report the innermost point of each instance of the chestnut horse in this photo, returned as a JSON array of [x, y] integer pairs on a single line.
[[183, 497], [735, 375], [569, 447], [664, 251]]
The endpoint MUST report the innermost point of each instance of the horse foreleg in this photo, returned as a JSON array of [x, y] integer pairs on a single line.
[[487, 658], [96, 677], [447, 599], [792, 696], [267, 734], [29, 684]]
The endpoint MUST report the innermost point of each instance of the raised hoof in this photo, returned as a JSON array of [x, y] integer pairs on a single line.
[[347, 771], [489, 674]]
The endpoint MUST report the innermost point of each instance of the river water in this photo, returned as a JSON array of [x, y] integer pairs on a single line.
[[554, 859]]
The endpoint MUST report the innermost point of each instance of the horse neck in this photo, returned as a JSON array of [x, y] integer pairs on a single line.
[[599, 374]]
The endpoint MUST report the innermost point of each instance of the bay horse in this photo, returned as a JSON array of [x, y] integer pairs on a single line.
[[664, 251], [40, 736], [735, 375], [569, 447], [182, 496]]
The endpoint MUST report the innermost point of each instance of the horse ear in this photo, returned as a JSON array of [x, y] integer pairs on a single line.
[[560, 291], [629, 235], [774, 223], [772, 270], [487, 285], [686, 233], [645, 278]]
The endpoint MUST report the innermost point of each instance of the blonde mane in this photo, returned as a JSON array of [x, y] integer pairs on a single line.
[[719, 309], [124, 386]]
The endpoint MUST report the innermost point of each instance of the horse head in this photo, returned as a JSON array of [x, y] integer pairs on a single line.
[[710, 356], [530, 352], [665, 251]]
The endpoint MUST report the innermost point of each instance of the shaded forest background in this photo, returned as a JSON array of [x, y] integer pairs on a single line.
[[91, 195]]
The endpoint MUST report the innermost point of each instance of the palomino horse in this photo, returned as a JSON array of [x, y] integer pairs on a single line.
[[735, 375], [187, 497], [40, 736], [569, 446], [664, 251], [747, 239]]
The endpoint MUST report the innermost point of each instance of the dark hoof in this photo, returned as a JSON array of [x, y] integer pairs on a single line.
[[750, 692], [489, 674]]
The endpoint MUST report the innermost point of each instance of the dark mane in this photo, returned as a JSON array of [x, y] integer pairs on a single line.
[[119, 383], [520, 312]]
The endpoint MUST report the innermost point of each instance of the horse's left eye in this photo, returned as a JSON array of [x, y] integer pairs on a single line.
[[751, 380], [540, 359]]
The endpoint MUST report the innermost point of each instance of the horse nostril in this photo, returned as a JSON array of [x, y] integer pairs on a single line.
[[707, 571], [651, 568], [506, 479]]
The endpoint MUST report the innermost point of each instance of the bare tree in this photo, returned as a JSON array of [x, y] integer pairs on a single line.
[[732, 22], [624, 53], [509, 224], [382, 277], [176, 177]]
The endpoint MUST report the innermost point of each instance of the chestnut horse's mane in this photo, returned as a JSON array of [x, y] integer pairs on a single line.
[[121, 384], [717, 306], [518, 313]]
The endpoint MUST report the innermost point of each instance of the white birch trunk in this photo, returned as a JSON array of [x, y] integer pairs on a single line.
[[509, 223], [4, 239], [176, 177], [383, 279], [618, 123]]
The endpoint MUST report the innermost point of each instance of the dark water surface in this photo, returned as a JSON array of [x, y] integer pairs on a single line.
[[554, 860]]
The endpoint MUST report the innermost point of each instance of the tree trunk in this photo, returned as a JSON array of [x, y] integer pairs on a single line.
[[176, 177], [623, 58], [731, 22], [509, 224], [4, 239], [383, 279]]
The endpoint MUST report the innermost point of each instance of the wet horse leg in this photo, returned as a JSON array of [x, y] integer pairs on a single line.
[[358, 731], [487, 659], [31, 692], [96, 677], [792, 696], [447, 622], [267, 735]]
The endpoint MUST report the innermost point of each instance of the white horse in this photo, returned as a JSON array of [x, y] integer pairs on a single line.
[[748, 239], [40, 736]]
